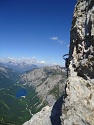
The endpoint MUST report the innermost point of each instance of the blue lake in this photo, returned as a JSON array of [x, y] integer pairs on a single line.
[[21, 92]]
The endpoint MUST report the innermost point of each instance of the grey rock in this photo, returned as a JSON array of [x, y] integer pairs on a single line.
[[79, 104], [41, 118]]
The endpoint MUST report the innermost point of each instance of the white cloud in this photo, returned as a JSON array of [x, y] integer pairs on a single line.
[[61, 41], [54, 63], [33, 57], [42, 62], [54, 38]]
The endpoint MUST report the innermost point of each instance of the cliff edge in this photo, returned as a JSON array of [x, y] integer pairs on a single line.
[[79, 104]]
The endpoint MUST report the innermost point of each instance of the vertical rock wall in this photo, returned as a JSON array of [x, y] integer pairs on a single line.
[[79, 104]]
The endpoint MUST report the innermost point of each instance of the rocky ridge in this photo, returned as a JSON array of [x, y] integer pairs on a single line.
[[42, 117], [48, 82], [79, 104]]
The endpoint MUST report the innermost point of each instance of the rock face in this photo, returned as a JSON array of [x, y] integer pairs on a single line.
[[48, 115], [41, 118], [79, 104]]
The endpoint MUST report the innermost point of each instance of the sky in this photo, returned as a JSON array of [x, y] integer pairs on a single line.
[[36, 29]]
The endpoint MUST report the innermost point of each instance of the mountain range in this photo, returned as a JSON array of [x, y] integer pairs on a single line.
[[48, 82], [19, 65], [43, 86]]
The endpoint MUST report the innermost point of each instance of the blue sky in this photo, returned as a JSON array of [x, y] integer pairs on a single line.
[[35, 28]]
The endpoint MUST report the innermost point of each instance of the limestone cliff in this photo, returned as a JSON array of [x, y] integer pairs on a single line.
[[79, 104]]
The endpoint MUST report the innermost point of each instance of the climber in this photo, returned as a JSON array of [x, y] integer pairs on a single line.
[[66, 62]]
